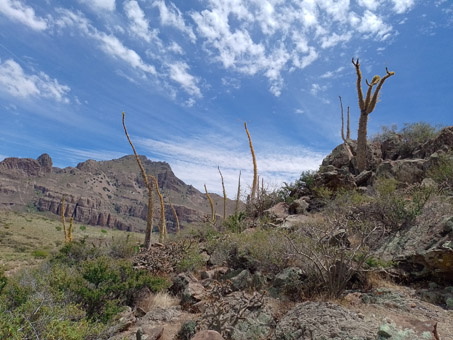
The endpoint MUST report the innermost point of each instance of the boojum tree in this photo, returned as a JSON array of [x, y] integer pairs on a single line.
[[366, 106], [149, 186]]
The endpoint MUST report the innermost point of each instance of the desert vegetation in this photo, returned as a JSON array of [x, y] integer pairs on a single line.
[[376, 214]]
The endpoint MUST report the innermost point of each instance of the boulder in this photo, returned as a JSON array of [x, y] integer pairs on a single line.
[[406, 329], [404, 170], [242, 316], [443, 142], [390, 147], [288, 282], [188, 288], [334, 178], [322, 320], [278, 211], [298, 206], [423, 251], [363, 178], [207, 335]]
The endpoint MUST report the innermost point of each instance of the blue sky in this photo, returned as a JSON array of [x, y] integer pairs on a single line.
[[189, 73]]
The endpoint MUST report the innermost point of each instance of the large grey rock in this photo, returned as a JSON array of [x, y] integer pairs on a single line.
[[299, 206], [404, 170], [240, 316], [278, 211], [322, 320], [443, 142], [208, 335], [188, 288], [423, 250]]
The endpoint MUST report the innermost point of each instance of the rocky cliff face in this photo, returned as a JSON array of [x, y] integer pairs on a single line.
[[108, 193]]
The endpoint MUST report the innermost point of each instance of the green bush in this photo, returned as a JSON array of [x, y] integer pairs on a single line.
[[442, 172], [235, 223], [40, 254], [3, 279], [104, 285], [192, 260], [83, 227], [399, 207]]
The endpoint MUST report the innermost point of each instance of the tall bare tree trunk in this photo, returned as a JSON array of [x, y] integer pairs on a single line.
[[361, 142]]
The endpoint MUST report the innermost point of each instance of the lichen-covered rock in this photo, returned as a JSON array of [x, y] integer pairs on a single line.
[[408, 329], [322, 320], [207, 335], [298, 206], [404, 170]]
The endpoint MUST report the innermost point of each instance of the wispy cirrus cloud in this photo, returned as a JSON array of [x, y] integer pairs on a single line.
[[109, 43], [139, 23], [18, 83], [172, 16], [17, 11], [196, 160], [81, 155], [100, 5]]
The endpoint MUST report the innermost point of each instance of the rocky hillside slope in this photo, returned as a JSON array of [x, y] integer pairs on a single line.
[[107, 193]]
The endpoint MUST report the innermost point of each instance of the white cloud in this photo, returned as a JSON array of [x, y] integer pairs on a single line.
[[81, 155], [401, 6], [195, 161], [374, 25], [19, 84], [334, 39], [100, 5], [178, 73], [17, 11], [372, 5], [332, 74], [316, 88], [109, 43], [139, 23], [171, 16], [115, 48]]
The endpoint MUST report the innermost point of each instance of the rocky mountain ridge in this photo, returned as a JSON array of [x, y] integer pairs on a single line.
[[104, 193]]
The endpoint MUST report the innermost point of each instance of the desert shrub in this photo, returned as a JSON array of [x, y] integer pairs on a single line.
[[330, 253], [411, 136], [3, 279], [104, 285], [442, 172], [187, 330], [235, 223], [192, 260], [40, 253], [31, 308], [398, 207], [262, 250], [323, 193], [265, 199], [77, 251], [294, 190], [122, 247], [414, 134]]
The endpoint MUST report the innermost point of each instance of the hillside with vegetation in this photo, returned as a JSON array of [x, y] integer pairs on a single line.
[[338, 254]]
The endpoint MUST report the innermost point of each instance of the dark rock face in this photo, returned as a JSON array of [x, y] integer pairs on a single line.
[[107, 193], [17, 167], [46, 162]]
